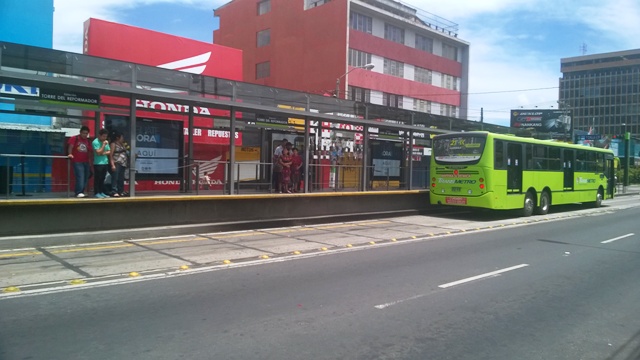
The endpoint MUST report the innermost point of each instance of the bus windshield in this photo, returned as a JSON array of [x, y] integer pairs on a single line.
[[459, 149]]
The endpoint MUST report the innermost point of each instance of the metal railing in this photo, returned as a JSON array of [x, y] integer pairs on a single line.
[[249, 177], [8, 174]]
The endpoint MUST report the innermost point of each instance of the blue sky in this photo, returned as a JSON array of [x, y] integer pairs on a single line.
[[516, 45]]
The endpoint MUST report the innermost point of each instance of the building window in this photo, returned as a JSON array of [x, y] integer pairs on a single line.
[[450, 52], [263, 38], [359, 94], [309, 4], [449, 82], [424, 43], [394, 68], [422, 105], [447, 110], [263, 70], [392, 100], [423, 75], [394, 33], [359, 58], [264, 7], [361, 22]]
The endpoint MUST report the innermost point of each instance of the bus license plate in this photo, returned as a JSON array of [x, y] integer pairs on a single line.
[[456, 200], [456, 189]]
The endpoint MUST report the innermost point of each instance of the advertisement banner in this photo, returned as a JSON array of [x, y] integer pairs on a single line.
[[386, 159], [158, 147], [545, 121], [128, 43]]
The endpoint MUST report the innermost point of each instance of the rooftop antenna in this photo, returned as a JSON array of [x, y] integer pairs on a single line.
[[583, 48]]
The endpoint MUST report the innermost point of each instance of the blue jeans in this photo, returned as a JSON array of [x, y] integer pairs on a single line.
[[81, 172]]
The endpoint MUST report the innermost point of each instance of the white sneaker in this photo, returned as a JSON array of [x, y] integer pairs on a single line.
[[81, 195]]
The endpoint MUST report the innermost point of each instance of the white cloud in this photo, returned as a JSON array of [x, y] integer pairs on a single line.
[[502, 58], [495, 66], [70, 15]]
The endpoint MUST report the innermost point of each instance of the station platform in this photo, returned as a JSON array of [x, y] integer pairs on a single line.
[[47, 222]]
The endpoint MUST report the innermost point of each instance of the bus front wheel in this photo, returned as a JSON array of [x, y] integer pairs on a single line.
[[545, 203], [529, 205]]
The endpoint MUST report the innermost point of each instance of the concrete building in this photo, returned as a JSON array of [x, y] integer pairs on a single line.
[[602, 91], [328, 47]]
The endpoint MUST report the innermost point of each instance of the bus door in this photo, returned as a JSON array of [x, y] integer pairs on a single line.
[[568, 161], [610, 172], [514, 168]]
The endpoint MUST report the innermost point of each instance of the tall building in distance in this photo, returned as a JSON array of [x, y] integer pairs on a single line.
[[324, 46], [27, 22], [602, 91]]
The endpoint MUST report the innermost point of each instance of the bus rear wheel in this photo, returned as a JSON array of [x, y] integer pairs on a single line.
[[545, 204], [529, 205], [598, 202]]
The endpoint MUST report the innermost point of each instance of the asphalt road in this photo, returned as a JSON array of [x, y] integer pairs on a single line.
[[565, 289]]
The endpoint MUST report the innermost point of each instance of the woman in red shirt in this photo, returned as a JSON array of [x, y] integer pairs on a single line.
[[296, 170], [285, 161]]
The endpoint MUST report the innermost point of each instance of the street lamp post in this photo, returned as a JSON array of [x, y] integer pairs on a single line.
[[366, 67]]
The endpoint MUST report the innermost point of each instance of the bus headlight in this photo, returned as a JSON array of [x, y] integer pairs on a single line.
[[469, 191]]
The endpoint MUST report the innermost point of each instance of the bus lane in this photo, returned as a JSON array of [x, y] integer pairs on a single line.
[[67, 266]]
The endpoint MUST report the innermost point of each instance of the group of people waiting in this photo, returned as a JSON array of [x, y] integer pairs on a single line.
[[108, 156], [287, 168]]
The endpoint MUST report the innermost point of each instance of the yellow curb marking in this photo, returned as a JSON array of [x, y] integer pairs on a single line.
[[226, 262], [20, 254], [77, 282], [106, 247], [184, 267], [11, 289], [134, 274]]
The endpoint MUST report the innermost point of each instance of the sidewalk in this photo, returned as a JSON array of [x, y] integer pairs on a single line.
[[633, 189]]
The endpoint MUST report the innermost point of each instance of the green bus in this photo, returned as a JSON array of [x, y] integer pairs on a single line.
[[499, 171]]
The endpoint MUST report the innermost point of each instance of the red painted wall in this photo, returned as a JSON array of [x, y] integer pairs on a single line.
[[399, 86], [307, 54], [391, 50], [142, 46]]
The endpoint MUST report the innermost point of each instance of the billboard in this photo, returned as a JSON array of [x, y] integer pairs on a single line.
[[158, 144], [128, 43], [542, 121]]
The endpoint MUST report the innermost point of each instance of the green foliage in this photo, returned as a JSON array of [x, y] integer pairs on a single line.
[[634, 175]]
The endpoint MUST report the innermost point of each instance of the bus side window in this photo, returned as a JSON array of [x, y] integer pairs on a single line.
[[581, 160], [554, 161], [498, 150], [528, 153], [600, 163]]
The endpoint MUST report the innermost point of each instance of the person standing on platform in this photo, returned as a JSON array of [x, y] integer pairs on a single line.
[[277, 168], [296, 170], [78, 149], [119, 162], [285, 179], [101, 162]]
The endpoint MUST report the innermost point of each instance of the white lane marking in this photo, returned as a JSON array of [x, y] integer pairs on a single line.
[[493, 273], [616, 238], [382, 306]]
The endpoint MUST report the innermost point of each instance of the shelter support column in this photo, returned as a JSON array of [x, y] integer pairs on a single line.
[[232, 151], [133, 151]]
